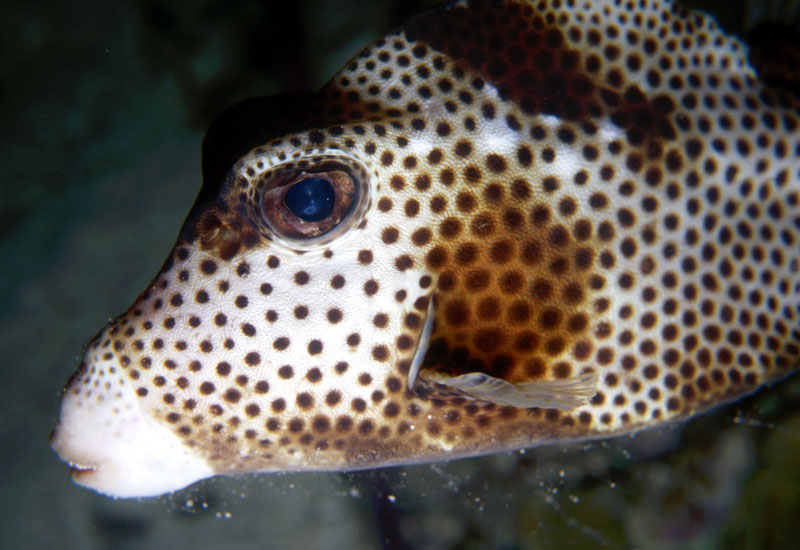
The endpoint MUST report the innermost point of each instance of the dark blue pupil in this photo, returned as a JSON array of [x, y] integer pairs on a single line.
[[311, 200]]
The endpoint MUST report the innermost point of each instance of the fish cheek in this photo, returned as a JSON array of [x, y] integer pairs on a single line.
[[268, 352]]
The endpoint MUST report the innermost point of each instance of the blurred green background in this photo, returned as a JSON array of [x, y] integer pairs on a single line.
[[103, 107]]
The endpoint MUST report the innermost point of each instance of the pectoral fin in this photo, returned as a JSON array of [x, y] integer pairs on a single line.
[[564, 394], [422, 346]]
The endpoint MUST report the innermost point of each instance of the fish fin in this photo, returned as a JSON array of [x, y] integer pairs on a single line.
[[564, 394], [422, 345]]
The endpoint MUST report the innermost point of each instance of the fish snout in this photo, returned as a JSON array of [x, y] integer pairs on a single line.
[[111, 443]]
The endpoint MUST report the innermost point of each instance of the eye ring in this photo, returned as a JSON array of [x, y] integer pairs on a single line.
[[311, 203]]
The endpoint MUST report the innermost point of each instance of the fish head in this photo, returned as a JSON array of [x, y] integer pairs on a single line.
[[263, 312], [501, 225]]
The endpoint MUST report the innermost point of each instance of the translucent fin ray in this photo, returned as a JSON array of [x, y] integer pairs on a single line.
[[565, 394]]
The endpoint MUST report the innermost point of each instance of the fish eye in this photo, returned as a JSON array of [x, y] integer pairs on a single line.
[[312, 203], [311, 199]]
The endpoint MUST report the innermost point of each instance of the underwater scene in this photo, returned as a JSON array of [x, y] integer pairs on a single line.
[[105, 106]]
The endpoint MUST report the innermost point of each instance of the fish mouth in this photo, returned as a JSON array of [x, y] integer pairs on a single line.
[[80, 473], [126, 455], [78, 469]]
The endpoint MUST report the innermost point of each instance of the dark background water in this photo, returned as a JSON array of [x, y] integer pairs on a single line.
[[103, 106]]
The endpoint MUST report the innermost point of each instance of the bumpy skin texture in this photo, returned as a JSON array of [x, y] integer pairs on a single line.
[[565, 187]]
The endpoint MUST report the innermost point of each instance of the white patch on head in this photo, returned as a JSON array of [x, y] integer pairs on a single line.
[[608, 132], [421, 145], [498, 141], [550, 121], [496, 136]]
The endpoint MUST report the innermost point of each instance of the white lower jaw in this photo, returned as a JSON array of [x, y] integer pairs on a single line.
[[116, 447], [138, 458]]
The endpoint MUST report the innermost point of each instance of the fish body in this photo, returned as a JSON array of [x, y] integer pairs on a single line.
[[505, 224]]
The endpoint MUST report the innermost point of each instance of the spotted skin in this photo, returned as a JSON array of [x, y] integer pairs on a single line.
[[555, 188]]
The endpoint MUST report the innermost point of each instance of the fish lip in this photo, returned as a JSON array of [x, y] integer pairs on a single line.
[[78, 469]]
